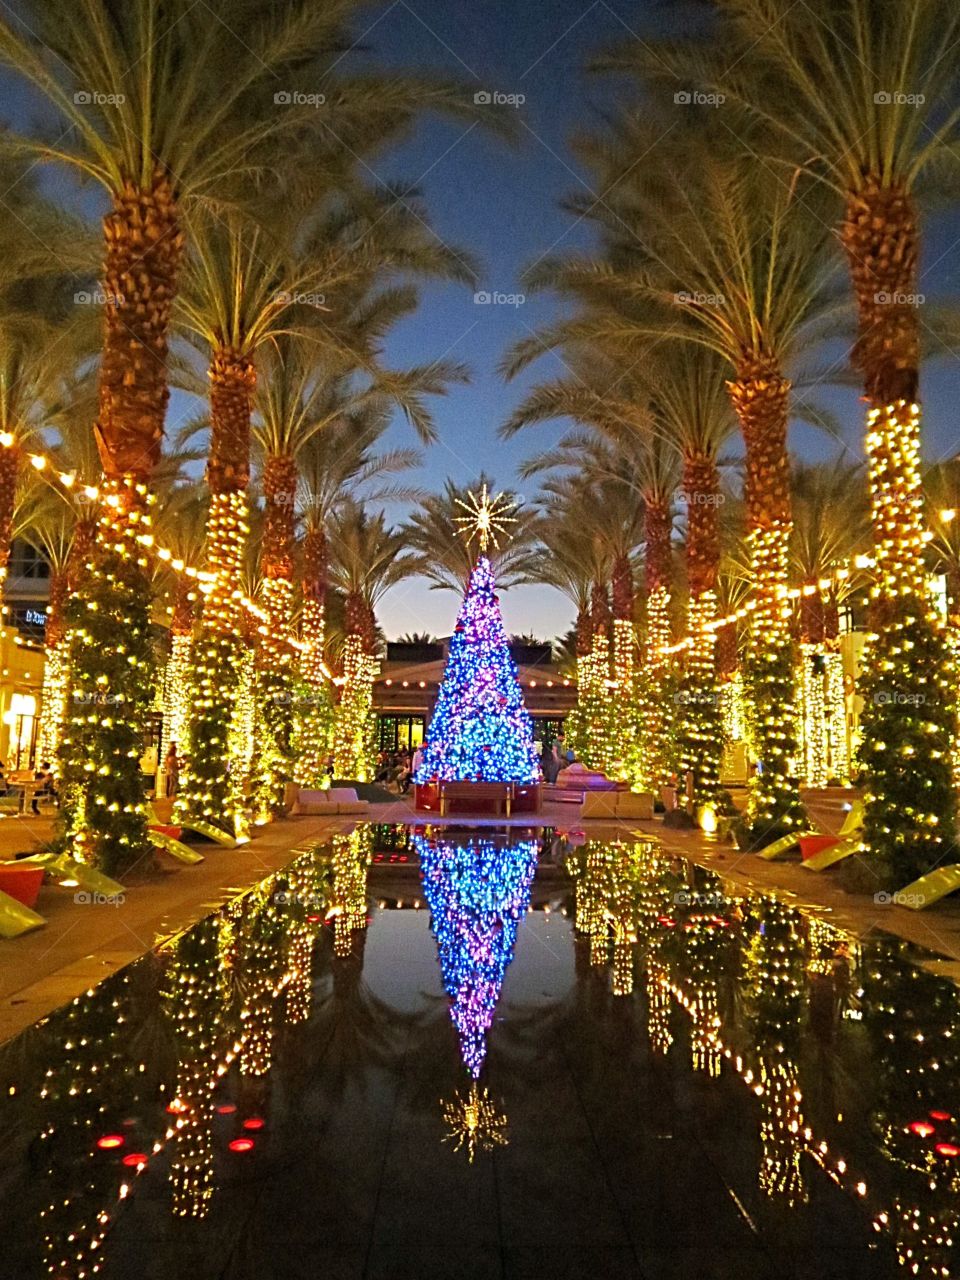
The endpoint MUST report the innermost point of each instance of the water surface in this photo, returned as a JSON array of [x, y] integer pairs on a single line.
[[463, 1054]]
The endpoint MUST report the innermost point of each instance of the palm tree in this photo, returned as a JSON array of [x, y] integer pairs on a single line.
[[238, 297], [702, 248], [577, 561], [368, 557], [613, 401], [335, 463], [888, 123], [610, 487], [446, 557], [157, 103], [164, 105]]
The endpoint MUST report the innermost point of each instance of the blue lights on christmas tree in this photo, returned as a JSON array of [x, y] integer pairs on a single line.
[[477, 893], [480, 730]]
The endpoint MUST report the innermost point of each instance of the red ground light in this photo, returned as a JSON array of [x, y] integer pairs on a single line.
[[110, 1140], [241, 1144]]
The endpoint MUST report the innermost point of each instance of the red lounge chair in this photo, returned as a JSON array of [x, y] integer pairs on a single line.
[[811, 845]]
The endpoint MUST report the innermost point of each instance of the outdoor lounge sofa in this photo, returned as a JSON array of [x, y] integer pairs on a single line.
[[334, 802]]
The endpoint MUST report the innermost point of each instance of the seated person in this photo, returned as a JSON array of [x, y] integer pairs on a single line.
[[43, 775]]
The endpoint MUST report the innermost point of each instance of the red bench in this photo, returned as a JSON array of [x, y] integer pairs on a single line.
[[476, 795]]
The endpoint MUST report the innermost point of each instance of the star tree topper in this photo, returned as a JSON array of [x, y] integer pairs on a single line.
[[486, 517]]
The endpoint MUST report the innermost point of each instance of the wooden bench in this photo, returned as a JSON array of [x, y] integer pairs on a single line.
[[500, 794]]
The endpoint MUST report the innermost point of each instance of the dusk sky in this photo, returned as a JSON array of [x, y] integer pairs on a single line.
[[502, 203]]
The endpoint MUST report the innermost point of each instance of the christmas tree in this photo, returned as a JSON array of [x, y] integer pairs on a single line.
[[480, 730], [477, 893]]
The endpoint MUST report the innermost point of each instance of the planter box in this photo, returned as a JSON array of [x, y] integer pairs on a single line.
[[22, 883]]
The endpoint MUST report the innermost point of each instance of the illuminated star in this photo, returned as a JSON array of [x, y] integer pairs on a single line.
[[475, 1122], [486, 517]]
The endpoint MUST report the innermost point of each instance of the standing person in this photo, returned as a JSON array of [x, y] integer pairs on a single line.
[[417, 759], [171, 768]]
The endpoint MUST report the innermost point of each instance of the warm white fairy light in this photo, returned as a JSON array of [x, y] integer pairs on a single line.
[[486, 517]]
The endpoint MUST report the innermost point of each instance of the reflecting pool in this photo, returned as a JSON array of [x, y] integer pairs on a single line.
[[468, 1053]]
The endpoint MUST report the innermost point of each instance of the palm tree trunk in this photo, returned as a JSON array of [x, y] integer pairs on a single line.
[[910, 813], [655, 709], [10, 460], [596, 701], [353, 752], [213, 787], [274, 657], [623, 745], [760, 396], [56, 663], [53, 700], [814, 712], [315, 720], [177, 673], [103, 814], [698, 698]]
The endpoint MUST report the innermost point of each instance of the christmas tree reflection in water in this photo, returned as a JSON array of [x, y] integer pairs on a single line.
[[477, 891]]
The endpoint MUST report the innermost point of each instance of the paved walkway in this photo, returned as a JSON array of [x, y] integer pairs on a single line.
[[84, 943]]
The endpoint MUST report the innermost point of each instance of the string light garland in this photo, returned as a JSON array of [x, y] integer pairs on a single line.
[[623, 741], [812, 719], [477, 892], [177, 680], [835, 716], [354, 745], [193, 996], [699, 720], [656, 690], [211, 788], [273, 726], [909, 681], [103, 817]]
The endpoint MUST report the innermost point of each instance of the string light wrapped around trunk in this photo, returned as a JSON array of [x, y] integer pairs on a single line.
[[213, 785], [103, 810], [909, 680]]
